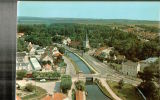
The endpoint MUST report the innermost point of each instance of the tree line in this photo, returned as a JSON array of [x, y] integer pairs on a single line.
[[99, 35]]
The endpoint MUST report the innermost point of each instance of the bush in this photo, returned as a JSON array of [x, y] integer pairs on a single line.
[[121, 83], [29, 87], [21, 74], [80, 85]]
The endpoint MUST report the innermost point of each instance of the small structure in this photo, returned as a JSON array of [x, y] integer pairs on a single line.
[[66, 41], [103, 51], [79, 95], [86, 42], [59, 96], [22, 62], [35, 64], [130, 68]]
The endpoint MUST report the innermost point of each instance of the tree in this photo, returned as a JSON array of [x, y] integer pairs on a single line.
[[21, 74], [80, 85], [102, 56], [66, 83], [121, 83], [62, 50]]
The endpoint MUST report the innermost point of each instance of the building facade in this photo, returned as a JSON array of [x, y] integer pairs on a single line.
[[130, 68]]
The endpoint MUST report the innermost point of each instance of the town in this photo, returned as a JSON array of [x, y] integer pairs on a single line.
[[65, 66], [87, 50]]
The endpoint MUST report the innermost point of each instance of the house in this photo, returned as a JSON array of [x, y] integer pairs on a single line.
[[47, 67], [59, 96], [79, 95], [22, 61], [130, 68], [32, 48], [35, 64], [40, 51], [102, 50], [66, 41]]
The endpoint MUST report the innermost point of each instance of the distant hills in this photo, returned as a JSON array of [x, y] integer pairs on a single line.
[[39, 20]]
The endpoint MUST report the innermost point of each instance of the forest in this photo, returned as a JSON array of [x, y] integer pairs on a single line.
[[125, 43]]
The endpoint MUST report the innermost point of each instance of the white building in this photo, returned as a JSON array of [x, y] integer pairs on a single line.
[[130, 68], [22, 62], [35, 64], [66, 41]]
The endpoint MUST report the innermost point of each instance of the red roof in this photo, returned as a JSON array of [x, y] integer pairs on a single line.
[[58, 96], [79, 95], [18, 98], [47, 97]]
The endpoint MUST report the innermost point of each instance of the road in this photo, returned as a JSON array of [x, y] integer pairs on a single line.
[[106, 71]]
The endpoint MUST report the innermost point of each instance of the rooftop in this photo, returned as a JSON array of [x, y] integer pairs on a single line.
[[79, 95]]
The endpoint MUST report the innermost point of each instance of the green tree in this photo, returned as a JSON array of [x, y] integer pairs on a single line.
[[21, 74], [80, 85], [66, 83], [121, 83]]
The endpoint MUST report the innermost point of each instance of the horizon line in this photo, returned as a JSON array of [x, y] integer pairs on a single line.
[[89, 18]]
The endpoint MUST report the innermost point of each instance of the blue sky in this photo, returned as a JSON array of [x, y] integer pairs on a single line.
[[96, 10]]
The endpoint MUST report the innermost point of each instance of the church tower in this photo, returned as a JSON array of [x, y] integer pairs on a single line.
[[86, 42]]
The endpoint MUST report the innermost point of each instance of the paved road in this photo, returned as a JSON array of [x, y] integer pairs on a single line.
[[105, 71]]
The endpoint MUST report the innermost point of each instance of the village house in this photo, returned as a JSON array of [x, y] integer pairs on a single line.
[[105, 50], [32, 48], [66, 41], [51, 54], [130, 68], [22, 61]]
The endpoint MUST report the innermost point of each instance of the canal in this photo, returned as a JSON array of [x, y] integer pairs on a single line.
[[94, 92], [81, 65]]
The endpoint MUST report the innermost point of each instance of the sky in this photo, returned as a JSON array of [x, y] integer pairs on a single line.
[[94, 10]]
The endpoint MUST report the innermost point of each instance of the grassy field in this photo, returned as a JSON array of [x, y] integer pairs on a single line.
[[40, 93], [128, 92]]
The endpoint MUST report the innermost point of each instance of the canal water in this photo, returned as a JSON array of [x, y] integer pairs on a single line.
[[94, 92], [82, 66]]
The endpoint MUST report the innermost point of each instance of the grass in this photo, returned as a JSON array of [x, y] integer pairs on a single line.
[[40, 93], [74, 64], [128, 92]]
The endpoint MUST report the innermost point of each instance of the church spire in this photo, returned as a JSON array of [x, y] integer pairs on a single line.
[[87, 37]]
